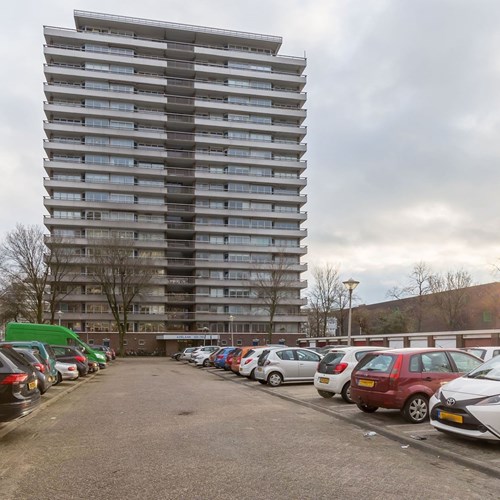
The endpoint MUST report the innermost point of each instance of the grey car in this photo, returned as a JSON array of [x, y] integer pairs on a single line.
[[289, 364]]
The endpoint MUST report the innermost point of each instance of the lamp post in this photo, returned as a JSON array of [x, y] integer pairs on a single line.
[[231, 319], [205, 331], [59, 315], [350, 284]]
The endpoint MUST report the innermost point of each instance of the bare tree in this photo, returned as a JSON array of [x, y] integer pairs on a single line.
[[59, 262], [451, 296], [24, 267], [327, 296], [272, 286], [418, 285], [12, 300], [122, 276]]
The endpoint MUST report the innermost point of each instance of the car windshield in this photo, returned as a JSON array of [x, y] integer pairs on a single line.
[[489, 371], [376, 363], [333, 358]]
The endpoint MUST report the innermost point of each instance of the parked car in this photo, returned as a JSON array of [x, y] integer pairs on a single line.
[[333, 375], [229, 360], [469, 406], [202, 358], [70, 354], [19, 394], [93, 366], [221, 356], [186, 353], [289, 364], [485, 353], [43, 349], [248, 363], [213, 355], [202, 349], [176, 355], [41, 370], [106, 350], [66, 371], [237, 357], [405, 379]]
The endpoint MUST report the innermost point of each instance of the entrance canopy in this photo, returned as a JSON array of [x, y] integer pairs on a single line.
[[189, 336]]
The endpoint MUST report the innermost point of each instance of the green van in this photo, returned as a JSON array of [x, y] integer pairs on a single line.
[[52, 334]]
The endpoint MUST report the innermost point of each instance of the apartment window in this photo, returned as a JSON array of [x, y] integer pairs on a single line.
[[97, 178], [217, 292], [97, 141], [95, 103], [58, 195], [96, 122], [258, 188], [238, 222], [66, 214], [123, 143], [121, 216], [262, 207], [92, 66], [238, 187], [122, 198], [262, 224], [238, 169], [261, 241], [238, 204], [286, 243], [119, 124], [235, 239], [123, 162], [146, 200], [286, 225], [122, 179]]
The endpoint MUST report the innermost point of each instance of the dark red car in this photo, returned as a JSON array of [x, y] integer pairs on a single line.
[[405, 379]]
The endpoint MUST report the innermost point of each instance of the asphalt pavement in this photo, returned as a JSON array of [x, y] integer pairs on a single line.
[[153, 428]]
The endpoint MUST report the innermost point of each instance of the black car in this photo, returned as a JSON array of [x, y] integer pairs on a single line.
[[19, 394], [34, 358], [70, 354]]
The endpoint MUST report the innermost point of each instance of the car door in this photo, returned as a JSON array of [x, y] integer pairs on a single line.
[[464, 363], [308, 363], [436, 370], [287, 363]]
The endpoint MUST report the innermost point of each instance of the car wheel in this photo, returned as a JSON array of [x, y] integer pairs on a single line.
[[177, 357], [252, 375], [263, 382], [206, 363], [275, 379], [416, 409], [346, 393], [59, 378], [326, 394], [366, 408]]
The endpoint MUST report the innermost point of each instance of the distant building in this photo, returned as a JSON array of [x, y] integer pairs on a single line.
[[472, 308], [189, 141]]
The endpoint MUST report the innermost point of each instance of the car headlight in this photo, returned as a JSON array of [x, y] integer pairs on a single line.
[[493, 400], [437, 394]]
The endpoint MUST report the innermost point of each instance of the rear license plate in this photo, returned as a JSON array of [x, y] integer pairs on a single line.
[[324, 380], [444, 415], [32, 385], [366, 383]]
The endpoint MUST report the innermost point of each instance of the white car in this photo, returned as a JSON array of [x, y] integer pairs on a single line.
[[485, 353], [333, 375], [202, 350], [248, 363], [469, 406], [201, 358], [186, 353], [66, 371], [288, 364]]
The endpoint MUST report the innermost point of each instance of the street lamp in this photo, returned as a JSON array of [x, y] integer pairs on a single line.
[[59, 314], [231, 319], [350, 284], [205, 331]]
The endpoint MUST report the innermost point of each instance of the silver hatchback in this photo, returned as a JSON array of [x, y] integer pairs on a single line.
[[289, 364]]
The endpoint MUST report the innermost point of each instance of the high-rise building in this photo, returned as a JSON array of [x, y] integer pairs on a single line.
[[187, 140]]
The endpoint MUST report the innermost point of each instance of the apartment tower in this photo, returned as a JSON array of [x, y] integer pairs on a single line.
[[187, 140]]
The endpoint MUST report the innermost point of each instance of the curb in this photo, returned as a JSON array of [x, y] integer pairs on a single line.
[[420, 445]]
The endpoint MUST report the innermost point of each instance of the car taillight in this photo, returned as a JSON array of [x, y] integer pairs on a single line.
[[15, 378], [394, 375], [220, 357], [249, 360], [340, 368], [71, 368], [40, 367], [81, 359]]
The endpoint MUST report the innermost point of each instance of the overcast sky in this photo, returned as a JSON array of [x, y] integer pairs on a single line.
[[403, 123]]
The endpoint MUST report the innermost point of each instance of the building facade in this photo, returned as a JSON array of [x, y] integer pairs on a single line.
[[188, 141]]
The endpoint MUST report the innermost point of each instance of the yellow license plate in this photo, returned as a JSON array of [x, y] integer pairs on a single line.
[[32, 385], [366, 383], [444, 415], [324, 380]]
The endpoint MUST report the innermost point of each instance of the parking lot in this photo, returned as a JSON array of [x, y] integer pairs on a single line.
[[158, 428], [484, 456]]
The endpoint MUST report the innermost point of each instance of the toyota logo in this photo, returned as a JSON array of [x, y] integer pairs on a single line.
[[450, 401]]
